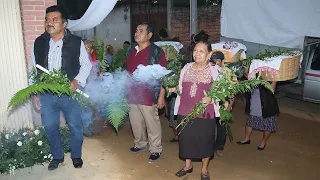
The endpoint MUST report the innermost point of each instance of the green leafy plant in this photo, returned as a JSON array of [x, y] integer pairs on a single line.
[[224, 88], [117, 59], [27, 147], [172, 79], [270, 54], [99, 48], [54, 82], [116, 113]]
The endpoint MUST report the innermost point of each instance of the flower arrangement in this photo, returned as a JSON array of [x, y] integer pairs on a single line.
[[224, 88], [26, 147], [230, 45]]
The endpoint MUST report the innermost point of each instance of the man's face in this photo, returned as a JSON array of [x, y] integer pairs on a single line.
[[218, 62], [53, 23], [141, 35], [125, 45]]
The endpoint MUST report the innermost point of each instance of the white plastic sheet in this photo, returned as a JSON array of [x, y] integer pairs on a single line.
[[95, 14], [282, 23]]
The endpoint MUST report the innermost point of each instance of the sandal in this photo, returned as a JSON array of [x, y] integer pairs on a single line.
[[205, 177], [183, 172]]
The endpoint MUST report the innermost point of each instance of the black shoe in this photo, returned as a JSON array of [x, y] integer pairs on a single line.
[[261, 148], [173, 140], [154, 157], [136, 150], [182, 172], [54, 164], [77, 162], [242, 143]]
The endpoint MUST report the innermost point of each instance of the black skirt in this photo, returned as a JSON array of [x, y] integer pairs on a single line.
[[196, 140]]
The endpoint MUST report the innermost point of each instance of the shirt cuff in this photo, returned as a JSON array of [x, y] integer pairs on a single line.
[[80, 82]]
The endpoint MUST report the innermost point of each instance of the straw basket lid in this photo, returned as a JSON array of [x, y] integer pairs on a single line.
[[170, 48], [289, 69]]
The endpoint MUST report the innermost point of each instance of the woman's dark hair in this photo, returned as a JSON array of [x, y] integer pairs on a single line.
[[56, 8], [201, 36], [163, 33], [207, 43]]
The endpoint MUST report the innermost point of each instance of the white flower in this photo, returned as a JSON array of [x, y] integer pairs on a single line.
[[24, 134], [13, 167], [39, 143], [45, 157], [49, 156], [7, 136], [41, 152], [19, 143], [36, 132]]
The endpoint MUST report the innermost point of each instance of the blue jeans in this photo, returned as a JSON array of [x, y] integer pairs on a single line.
[[51, 106], [86, 116]]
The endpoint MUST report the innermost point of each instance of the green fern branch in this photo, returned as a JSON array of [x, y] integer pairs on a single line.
[[117, 59], [37, 88], [116, 113], [54, 82], [99, 48]]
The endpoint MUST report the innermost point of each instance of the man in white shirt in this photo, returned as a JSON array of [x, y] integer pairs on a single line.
[[57, 48]]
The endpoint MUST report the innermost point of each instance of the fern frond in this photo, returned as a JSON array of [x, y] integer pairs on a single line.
[[117, 59], [99, 48], [37, 88], [116, 113], [104, 65]]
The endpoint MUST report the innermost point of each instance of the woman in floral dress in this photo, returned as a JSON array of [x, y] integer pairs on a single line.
[[196, 139]]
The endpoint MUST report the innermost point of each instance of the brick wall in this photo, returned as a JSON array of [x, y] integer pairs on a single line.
[[208, 20], [33, 13]]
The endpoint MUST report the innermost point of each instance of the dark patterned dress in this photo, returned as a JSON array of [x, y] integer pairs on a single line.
[[255, 119]]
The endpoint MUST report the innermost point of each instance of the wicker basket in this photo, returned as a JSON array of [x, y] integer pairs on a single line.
[[169, 51], [289, 69], [228, 58]]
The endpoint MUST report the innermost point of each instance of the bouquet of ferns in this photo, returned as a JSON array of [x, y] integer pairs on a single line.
[[53, 82]]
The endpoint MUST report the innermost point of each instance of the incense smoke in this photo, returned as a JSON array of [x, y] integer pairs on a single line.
[[113, 87]]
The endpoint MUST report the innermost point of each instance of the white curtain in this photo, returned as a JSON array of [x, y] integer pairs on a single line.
[[95, 14], [282, 23]]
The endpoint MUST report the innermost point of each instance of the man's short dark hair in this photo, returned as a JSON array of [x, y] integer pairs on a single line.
[[149, 27], [56, 8], [126, 42]]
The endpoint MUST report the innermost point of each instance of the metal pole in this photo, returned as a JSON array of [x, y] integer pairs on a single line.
[[169, 14], [193, 17], [149, 10]]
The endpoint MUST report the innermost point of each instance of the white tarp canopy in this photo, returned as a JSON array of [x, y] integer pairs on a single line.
[[94, 15], [282, 23]]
